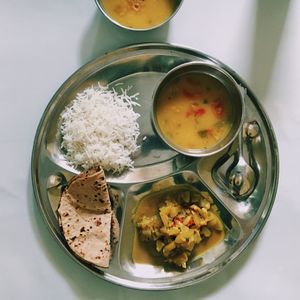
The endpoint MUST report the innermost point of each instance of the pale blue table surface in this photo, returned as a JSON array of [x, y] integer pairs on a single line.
[[43, 42]]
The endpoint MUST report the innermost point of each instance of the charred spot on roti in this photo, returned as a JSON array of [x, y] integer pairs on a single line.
[[98, 223]]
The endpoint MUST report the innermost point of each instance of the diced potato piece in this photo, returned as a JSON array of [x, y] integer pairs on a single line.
[[170, 231], [196, 208], [174, 211], [180, 259], [192, 239], [168, 212], [197, 237], [168, 248], [149, 227], [205, 232], [204, 203], [210, 216], [188, 238], [164, 218], [203, 212], [188, 246], [198, 220], [180, 238], [216, 223], [187, 220], [146, 234], [159, 245]]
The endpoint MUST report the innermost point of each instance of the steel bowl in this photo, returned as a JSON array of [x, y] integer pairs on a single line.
[[236, 97], [102, 9]]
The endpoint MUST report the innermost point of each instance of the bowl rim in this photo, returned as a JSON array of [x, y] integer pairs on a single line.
[[101, 8], [206, 151]]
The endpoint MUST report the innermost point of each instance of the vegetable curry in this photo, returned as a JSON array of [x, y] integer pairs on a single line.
[[175, 226], [194, 112]]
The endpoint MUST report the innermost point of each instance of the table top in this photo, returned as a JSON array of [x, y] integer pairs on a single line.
[[43, 43]]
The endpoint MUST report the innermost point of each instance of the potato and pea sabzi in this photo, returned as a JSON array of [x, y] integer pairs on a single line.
[[183, 220]]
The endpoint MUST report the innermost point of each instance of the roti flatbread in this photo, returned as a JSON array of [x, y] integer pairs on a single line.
[[87, 233], [115, 229], [89, 190], [88, 223]]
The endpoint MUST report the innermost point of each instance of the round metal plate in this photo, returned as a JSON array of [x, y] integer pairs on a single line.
[[142, 67]]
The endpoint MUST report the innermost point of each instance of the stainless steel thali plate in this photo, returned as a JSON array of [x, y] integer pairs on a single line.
[[244, 215]]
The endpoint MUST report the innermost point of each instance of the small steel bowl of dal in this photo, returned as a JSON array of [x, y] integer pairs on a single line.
[[198, 109], [139, 15]]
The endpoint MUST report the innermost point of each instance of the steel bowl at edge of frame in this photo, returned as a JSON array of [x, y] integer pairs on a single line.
[[236, 98], [177, 5]]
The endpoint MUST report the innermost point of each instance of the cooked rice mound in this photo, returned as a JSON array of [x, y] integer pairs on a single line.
[[100, 127]]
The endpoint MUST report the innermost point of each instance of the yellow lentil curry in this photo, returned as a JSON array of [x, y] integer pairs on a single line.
[[139, 14], [194, 111], [175, 226]]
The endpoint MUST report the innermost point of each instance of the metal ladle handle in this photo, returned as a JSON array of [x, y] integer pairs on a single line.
[[252, 132], [243, 174], [236, 179], [237, 171]]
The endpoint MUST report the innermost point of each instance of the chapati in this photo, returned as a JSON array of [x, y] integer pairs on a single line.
[[89, 225]]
